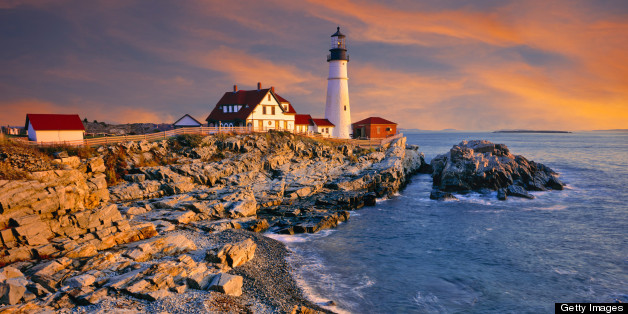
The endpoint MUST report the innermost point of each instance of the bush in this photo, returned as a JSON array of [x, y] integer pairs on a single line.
[[8, 172], [116, 164], [80, 151], [187, 140]]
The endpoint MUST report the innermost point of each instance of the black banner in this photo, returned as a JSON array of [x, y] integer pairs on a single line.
[[590, 308]]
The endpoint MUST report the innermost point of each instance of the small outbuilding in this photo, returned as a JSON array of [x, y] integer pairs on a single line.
[[187, 121], [374, 127], [302, 123], [54, 128], [322, 126]]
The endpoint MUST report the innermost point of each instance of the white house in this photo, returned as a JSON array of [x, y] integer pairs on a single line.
[[259, 110], [187, 121], [49, 128], [322, 126]]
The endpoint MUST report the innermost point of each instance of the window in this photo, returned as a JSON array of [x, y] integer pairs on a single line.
[[379, 129], [345, 108], [224, 109], [263, 109], [273, 110], [270, 123], [269, 97], [388, 129]]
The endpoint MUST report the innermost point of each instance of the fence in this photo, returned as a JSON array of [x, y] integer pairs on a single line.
[[205, 131]]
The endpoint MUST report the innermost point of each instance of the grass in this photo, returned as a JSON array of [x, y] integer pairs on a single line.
[[80, 151], [186, 140], [8, 172], [116, 164]]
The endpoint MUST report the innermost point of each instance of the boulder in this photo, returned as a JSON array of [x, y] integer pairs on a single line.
[[96, 165], [12, 290], [518, 191], [227, 284], [479, 164], [233, 254], [80, 281], [441, 196]]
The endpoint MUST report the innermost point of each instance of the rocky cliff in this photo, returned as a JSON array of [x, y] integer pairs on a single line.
[[479, 164], [70, 239]]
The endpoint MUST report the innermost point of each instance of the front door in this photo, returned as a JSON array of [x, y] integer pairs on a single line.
[[261, 125]]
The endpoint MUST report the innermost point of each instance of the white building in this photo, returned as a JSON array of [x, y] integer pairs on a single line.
[[259, 110], [322, 126], [337, 109], [55, 128], [187, 121]]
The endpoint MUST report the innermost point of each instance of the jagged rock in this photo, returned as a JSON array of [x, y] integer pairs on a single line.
[[441, 196], [474, 165], [301, 309], [161, 246], [92, 297], [12, 290], [227, 284], [242, 204], [501, 194], [259, 225], [37, 289], [518, 191], [80, 281], [96, 165], [10, 272], [234, 254], [200, 278]]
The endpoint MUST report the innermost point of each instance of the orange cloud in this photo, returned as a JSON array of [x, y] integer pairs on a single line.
[[249, 69], [14, 112]]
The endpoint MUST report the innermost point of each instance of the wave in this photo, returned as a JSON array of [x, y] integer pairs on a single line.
[[308, 267], [298, 238], [428, 303]]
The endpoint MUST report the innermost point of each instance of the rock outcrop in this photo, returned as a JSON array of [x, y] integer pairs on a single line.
[[70, 239], [479, 164]]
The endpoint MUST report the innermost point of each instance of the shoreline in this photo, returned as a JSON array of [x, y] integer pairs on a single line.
[[185, 234]]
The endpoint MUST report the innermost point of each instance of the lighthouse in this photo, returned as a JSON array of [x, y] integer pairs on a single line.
[[337, 109]]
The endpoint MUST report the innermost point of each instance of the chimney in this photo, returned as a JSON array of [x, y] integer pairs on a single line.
[[235, 88], [272, 88], [259, 86]]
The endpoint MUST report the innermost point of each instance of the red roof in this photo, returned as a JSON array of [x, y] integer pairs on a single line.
[[54, 122], [283, 100], [302, 119], [374, 120], [322, 122], [248, 99]]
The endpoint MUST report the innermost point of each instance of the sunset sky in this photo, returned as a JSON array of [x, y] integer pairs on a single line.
[[468, 65]]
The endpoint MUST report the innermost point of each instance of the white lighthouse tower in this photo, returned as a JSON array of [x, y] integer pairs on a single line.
[[337, 109]]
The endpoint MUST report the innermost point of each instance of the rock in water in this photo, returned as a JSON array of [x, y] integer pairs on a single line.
[[479, 164]]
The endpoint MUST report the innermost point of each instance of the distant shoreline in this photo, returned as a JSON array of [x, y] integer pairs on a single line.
[[530, 131]]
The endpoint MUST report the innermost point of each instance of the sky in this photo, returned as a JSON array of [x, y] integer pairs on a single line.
[[431, 65]]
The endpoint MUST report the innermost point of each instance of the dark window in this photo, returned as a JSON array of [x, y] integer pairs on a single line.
[[345, 108], [263, 109], [268, 97], [388, 129], [272, 110]]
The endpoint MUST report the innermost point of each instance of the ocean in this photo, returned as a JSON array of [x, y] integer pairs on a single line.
[[410, 254]]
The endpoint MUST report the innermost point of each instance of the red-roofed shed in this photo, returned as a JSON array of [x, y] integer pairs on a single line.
[[49, 128], [374, 127], [322, 126]]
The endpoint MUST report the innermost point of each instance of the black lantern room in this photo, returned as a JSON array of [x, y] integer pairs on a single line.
[[338, 47]]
